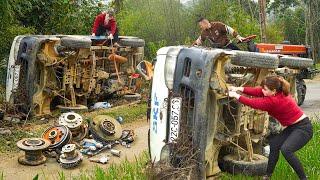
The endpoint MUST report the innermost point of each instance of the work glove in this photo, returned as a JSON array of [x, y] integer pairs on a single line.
[[110, 36], [240, 38], [234, 94], [235, 89]]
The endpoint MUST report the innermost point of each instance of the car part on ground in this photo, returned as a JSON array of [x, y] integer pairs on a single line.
[[33, 148], [193, 121], [58, 136], [105, 128], [132, 96], [70, 157], [67, 72], [102, 160], [75, 124]]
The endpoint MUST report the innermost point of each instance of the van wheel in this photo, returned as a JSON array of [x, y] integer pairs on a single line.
[[257, 167], [132, 42], [76, 42], [296, 62]]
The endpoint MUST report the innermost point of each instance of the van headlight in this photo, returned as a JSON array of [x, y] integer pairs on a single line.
[[169, 69]]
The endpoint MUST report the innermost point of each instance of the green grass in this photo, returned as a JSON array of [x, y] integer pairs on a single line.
[[129, 113], [8, 142], [309, 156], [124, 170]]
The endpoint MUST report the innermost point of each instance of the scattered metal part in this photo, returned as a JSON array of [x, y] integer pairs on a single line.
[[33, 148], [105, 128], [58, 136], [5, 132], [70, 156], [71, 119], [123, 143], [120, 119], [92, 148], [127, 136], [128, 146], [115, 152], [74, 122], [102, 160]]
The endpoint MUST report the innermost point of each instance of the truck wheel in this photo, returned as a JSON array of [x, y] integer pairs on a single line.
[[296, 62], [253, 59], [233, 166], [301, 89], [132, 42], [76, 42]]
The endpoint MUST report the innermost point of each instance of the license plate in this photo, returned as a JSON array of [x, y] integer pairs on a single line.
[[175, 106]]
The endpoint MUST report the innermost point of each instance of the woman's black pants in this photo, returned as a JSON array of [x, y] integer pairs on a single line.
[[290, 140]]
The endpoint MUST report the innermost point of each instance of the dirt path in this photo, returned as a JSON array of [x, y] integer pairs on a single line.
[[311, 105], [13, 170]]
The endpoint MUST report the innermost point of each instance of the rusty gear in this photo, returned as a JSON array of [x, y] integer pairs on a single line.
[[33, 148], [58, 136], [105, 128], [70, 157]]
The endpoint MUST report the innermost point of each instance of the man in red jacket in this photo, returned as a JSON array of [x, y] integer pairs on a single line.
[[105, 24]]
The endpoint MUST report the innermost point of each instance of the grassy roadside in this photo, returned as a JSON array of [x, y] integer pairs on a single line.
[[125, 170]]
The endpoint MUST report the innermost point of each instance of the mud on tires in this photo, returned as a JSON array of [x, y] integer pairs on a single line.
[[295, 62], [252, 59], [233, 166]]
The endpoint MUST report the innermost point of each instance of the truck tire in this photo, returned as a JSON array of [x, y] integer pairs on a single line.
[[301, 89], [256, 168], [76, 42], [132, 42], [295, 62], [253, 59]]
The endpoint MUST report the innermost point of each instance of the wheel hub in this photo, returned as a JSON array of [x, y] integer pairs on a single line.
[[58, 136], [33, 148], [70, 157]]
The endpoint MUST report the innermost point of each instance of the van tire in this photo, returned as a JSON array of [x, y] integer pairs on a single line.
[[76, 42], [296, 62], [132, 42], [255, 168], [253, 59]]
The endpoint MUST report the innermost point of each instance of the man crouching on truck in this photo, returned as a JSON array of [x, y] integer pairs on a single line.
[[216, 33]]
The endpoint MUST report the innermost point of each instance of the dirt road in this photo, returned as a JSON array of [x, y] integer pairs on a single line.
[[14, 171], [311, 105]]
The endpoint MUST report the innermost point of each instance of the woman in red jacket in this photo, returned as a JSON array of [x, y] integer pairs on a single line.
[[105, 24], [273, 96]]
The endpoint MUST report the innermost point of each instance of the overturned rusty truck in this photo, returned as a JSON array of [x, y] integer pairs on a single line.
[[69, 72], [195, 128]]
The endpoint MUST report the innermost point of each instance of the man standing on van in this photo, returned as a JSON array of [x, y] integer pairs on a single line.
[[216, 33], [105, 24]]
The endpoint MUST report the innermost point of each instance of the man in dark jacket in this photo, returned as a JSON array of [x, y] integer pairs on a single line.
[[216, 33], [106, 25]]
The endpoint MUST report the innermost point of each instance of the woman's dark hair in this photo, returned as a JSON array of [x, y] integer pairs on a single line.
[[276, 83]]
